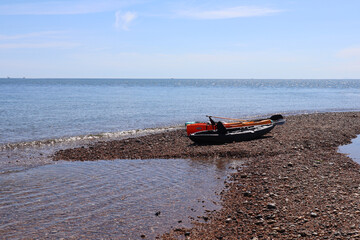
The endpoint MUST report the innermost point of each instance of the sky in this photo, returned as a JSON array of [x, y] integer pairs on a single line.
[[312, 39]]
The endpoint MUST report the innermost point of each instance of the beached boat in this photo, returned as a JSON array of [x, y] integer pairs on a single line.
[[228, 135], [193, 127]]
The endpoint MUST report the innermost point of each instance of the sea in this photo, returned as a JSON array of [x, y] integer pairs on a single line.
[[71, 109], [122, 198]]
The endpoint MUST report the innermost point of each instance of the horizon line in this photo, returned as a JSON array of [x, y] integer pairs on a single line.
[[175, 78]]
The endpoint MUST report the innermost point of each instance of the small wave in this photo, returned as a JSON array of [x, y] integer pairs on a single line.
[[88, 138]]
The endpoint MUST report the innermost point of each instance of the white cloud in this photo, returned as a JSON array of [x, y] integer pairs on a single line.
[[124, 20], [38, 45], [350, 52], [192, 65], [61, 7], [235, 12], [36, 40], [31, 35], [271, 64], [348, 62]]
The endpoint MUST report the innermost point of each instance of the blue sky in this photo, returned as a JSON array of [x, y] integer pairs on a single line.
[[180, 39]]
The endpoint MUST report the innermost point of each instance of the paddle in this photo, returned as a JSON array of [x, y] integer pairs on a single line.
[[275, 118], [212, 121], [234, 119], [278, 119]]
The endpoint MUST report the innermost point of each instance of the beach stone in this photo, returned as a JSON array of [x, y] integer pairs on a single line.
[[247, 194], [313, 214], [271, 206], [260, 222], [271, 221], [270, 216], [304, 234]]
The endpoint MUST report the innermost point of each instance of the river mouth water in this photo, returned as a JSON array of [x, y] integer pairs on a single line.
[[352, 149], [120, 199]]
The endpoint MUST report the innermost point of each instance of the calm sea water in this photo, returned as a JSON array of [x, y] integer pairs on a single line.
[[41, 109]]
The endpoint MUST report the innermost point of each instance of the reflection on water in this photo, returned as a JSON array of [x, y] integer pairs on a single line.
[[352, 149], [109, 199]]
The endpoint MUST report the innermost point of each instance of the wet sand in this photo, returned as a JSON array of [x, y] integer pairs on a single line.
[[294, 185]]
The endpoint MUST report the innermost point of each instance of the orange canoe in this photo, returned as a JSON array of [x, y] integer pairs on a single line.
[[192, 127]]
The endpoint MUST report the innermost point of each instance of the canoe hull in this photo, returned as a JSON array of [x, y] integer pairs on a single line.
[[231, 135], [198, 126], [193, 127]]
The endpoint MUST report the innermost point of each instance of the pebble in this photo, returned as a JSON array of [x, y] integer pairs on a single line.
[[271, 206], [313, 214], [247, 194], [271, 222]]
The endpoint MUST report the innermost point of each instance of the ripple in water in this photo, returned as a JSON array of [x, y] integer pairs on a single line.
[[109, 199]]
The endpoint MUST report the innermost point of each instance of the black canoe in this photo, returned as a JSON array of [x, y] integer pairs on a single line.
[[228, 135]]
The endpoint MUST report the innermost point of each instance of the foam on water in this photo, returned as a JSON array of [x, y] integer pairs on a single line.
[[88, 138], [15, 157]]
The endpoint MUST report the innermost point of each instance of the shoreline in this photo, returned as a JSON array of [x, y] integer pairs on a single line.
[[294, 184], [20, 156], [72, 141]]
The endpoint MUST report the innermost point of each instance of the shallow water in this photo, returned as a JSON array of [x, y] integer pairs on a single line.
[[352, 149], [109, 199]]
